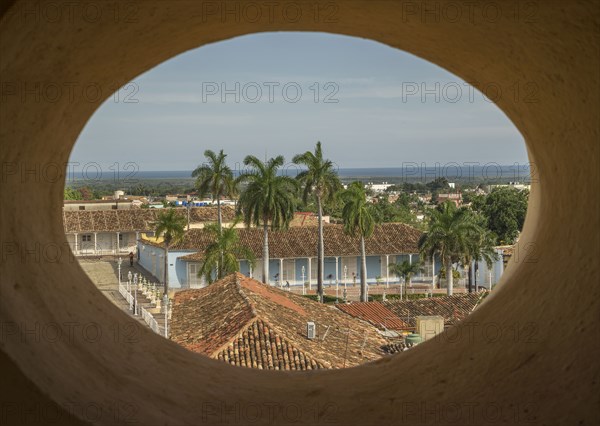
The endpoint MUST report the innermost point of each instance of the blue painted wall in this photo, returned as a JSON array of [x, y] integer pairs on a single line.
[[177, 269]]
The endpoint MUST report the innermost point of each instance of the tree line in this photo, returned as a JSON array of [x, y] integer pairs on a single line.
[[269, 199]]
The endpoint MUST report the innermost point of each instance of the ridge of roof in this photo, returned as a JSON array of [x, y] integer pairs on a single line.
[[212, 320]]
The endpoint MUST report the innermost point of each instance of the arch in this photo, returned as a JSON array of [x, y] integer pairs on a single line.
[[549, 342]]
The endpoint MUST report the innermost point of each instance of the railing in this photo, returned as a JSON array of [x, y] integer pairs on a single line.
[[126, 295], [147, 316], [151, 321]]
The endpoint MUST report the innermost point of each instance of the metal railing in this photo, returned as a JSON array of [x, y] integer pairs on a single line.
[[126, 295], [151, 321]]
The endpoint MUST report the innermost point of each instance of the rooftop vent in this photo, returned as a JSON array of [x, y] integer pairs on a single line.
[[311, 330]]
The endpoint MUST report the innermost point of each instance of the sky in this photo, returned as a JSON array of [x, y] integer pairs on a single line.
[[279, 93]]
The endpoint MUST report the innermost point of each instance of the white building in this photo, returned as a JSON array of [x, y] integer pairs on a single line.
[[113, 232], [378, 187]]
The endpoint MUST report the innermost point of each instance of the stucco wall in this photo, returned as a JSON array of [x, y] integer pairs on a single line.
[[531, 378]]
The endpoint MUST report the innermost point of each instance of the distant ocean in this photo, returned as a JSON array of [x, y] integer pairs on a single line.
[[409, 173], [451, 171]]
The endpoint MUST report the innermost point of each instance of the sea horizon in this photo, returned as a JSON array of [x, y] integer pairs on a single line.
[[412, 172]]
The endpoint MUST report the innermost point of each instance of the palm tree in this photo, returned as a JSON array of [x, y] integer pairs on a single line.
[[222, 255], [267, 199], [480, 248], [405, 270], [170, 226], [359, 220], [449, 236], [320, 180], [215, 178]]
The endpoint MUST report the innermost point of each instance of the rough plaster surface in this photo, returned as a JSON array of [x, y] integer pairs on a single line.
[[547, 374]]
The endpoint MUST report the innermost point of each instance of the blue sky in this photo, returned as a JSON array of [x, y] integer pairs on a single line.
[[379, 120]]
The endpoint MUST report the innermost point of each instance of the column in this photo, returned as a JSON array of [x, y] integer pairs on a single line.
[[309, 274], [118, 248], [281, 272], [410, 258], [76, 242], [95, 243], [387, 270], [337, 276]]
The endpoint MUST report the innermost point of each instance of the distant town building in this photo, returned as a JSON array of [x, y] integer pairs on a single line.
[[293, 254], [113, 232], [516, 185], [455, 197], [378, 187]]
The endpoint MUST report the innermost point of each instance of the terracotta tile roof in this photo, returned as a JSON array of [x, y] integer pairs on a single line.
[[244, 322], [259, 346], [204, 321], [134, 219], [453, 308], [376, 313], [304, 219], [388, 238]]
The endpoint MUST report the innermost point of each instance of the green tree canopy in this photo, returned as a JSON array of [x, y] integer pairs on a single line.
[[268, 199], [222, 255], [505, 209], [319, 181], [450, 232], [359, 218], [171, 227]]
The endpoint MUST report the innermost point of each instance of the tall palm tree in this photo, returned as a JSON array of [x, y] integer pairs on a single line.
[[449, 235], [222, 255], [321, 181], [215, 178], [480, 248], [405, 270], [359, 220], [267, 199], [171, 227]]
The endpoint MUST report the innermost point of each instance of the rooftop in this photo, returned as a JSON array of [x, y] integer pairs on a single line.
[[388, 238], [375, 313], [453, 308], [246, 323], [134, 219]]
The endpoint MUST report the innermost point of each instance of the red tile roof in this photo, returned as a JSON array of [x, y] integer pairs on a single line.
[[131, 220], [388, 238], [376, 313], [259, 346], [246, 323], [453, 308]]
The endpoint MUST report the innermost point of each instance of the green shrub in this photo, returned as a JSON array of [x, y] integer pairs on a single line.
[[326, 298]]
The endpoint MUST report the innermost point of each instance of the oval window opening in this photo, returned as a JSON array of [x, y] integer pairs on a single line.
[[196, 194]]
